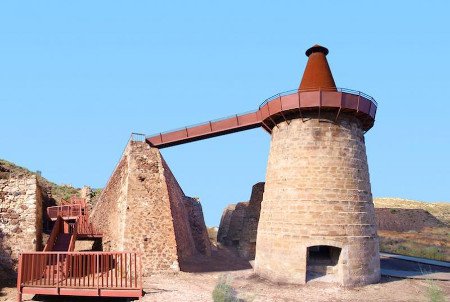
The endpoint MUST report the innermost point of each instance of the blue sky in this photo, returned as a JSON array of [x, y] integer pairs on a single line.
[[76, 78]]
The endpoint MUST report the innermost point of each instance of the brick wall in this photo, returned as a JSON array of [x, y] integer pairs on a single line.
[[20, 219], [317, 192]]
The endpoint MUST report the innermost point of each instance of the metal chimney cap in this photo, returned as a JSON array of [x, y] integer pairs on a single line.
[[316, 48]]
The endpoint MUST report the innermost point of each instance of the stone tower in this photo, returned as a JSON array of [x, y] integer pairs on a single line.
[[317, 215]]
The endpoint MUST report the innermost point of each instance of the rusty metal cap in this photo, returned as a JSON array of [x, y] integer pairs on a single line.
[[317, 74]]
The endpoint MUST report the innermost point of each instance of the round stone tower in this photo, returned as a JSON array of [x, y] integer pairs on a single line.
[[317, 215]]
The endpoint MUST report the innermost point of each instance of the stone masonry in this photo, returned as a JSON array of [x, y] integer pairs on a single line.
[[225, 220], [142, 208], [318, 193], [239, 223], [247, 243], [198, 227], [20, 219]]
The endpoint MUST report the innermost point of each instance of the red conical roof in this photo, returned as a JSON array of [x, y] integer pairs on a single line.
[[317, 74]]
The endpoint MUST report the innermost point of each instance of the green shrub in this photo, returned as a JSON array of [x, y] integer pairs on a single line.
[[434, 292], [224, 292]]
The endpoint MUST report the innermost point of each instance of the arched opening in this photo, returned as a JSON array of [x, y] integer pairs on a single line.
[[322, 262]]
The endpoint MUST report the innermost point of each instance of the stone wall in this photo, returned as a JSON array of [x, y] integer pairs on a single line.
[[109, 213], [236, 223], [317, 193], [21, 201], [142, 209], [197, 225], [247, 242], [239, 223], [225, 220], [183, 235]]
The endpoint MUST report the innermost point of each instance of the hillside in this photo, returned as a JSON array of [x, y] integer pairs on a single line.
[[54, 191], [414, 228], [440, 210]]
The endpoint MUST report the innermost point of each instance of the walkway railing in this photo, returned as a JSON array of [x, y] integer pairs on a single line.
[[64, 211], [85, 228], [273, 110], [344, 90], [116, 274]]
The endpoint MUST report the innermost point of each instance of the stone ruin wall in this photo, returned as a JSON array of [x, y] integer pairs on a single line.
[[224, 225], [247, 243], [239, 223], [197, 225], [112, 200], [183, 234], [142, 209], [236, 223], [21, 200]]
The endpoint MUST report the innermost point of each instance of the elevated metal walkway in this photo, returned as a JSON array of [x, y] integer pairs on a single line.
[[282, 106]]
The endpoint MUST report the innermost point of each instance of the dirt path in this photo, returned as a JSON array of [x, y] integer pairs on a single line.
[[197, 287], [197, 284]]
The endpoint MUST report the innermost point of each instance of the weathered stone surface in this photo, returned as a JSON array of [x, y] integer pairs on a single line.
[[20, 220], [224, 226], [317, 193], [247, 242], [239, 223], [142, 209], [197, 224]]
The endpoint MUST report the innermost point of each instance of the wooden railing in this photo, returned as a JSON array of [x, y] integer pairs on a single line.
[[64, 211], [80, 270]]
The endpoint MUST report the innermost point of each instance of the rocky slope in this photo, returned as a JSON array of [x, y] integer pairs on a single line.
[[54, 191]]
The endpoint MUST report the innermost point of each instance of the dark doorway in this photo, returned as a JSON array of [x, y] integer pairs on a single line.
[[322, 262]]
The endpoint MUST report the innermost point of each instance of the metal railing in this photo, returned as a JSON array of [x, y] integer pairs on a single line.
[[65, 211], [84, 227], [278, 95], [74, 231], [84, 270], [55, 231], [203, 123], [137, 137], [344, 90]]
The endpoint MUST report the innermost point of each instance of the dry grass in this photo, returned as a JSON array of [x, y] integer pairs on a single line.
[[431, 243], [58, 192]]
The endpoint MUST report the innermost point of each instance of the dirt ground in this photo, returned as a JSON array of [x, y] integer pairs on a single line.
[[200, 275], [199, 286]]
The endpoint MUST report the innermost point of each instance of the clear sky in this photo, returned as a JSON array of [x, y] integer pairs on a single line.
[[77, 77]]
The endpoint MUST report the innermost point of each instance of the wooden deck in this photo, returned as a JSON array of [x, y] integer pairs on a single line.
[[102, 274]]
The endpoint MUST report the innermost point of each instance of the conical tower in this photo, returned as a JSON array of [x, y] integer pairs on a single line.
[[317, 215], [317, 74]]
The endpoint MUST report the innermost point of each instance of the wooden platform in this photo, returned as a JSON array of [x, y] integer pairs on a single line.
[[100, 274]]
